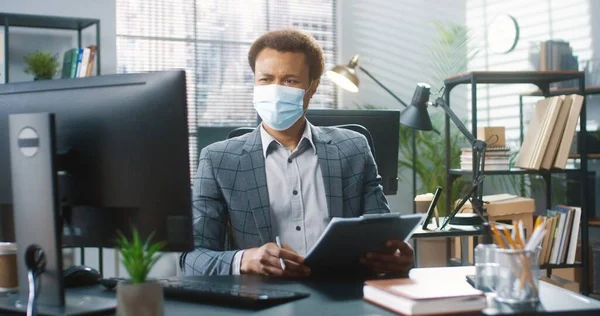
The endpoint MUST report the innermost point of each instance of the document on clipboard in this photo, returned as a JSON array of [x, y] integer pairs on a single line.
[[346, 240]]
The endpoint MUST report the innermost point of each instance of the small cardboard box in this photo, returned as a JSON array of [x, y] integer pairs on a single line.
[[505, 204], [508, 207], [494, 135], [503, 207]]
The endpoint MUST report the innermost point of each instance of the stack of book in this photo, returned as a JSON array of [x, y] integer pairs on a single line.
[[496, 158], [558, 55], [562, 230], [550, 133], [411, 297], [79, 62]]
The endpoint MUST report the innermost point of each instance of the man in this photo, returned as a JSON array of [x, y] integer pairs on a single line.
[[287, 178]]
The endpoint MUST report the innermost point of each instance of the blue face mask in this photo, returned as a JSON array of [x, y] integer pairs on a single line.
[[279, 106]]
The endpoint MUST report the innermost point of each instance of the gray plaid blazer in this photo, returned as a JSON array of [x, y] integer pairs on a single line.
[[231, 202]]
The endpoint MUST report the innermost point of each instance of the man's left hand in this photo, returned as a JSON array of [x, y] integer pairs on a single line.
[[397, 261]]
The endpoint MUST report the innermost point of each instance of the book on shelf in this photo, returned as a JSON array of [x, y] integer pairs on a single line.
[[550, 131], [556, 133], [496, 158], [82, 67], [70, 63], [491, 150], [544, 132], [92, 59], [79, 62], [410, 297], [558, 234], [562, 231], [564, 147], [488, 167], [558, 55], [78, 66]]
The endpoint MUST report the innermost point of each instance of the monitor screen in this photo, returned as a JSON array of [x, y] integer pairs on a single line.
[[123, 157], [383, 126]]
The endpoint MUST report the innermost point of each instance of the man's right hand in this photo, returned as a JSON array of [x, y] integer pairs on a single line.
[[265, 261]]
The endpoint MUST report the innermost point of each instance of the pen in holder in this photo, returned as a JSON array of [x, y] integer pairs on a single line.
[[517, 277]]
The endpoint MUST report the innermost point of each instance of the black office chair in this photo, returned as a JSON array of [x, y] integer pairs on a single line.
[[353, 127]]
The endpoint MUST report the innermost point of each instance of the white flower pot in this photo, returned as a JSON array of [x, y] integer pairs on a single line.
[[145, 299]]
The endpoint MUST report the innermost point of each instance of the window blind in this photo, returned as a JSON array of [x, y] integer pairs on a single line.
[[210, 40]]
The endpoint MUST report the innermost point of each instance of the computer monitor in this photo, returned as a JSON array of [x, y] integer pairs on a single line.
[[123, 140], [384, 128]]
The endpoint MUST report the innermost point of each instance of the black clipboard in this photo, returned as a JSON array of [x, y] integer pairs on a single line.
[[431, 210], [345, 240]]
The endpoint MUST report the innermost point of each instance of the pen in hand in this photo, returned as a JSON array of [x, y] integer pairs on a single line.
[[278, 241]]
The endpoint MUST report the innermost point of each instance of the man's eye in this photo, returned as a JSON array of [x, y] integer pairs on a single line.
[[291, 81]]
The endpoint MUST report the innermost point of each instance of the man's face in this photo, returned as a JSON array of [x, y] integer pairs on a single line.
[[286, 69]]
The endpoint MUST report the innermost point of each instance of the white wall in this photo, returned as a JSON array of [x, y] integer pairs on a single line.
[[25, 40], [393, 38]]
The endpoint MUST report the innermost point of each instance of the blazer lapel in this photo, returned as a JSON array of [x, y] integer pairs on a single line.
[[331, 168], [253, 173]]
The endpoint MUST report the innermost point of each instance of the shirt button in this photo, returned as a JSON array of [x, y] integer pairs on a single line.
[[298, 228], [295, 192], [289, 160]]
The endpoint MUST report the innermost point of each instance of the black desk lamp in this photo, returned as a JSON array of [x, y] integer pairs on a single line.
[[417, 117], [344, 76]]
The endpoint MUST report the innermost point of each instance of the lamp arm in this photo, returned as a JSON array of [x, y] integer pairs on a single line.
[[381, 85], [479, 146], [459, 124]]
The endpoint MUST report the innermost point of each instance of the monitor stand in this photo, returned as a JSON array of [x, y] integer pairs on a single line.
[[37, 217]]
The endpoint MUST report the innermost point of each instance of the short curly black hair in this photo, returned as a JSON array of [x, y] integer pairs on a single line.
[[291, 40]]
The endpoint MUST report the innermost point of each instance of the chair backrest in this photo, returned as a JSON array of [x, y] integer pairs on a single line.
[[240, 131], [353, 127]]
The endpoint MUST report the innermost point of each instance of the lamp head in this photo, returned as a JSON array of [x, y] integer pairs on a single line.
[[344, 76], [416, 115]]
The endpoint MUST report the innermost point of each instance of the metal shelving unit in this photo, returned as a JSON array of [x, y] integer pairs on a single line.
[[542, 79], [9, 20]]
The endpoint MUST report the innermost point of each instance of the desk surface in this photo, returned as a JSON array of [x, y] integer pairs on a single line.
[[345, 298]]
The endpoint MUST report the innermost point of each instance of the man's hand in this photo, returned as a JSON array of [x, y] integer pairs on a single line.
[[265, 261], [397, 261]]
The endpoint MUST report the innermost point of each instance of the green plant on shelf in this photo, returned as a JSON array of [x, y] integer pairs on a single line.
[[42, 65]]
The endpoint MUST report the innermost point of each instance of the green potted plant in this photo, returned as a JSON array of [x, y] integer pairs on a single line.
[[139, 296], [42, 65]]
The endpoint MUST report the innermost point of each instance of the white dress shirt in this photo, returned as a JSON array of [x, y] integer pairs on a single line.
[[296, 189]]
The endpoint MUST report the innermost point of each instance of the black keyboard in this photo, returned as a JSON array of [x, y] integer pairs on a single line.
[[205, 291]]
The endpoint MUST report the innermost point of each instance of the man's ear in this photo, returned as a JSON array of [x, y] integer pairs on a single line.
[[313, 88]]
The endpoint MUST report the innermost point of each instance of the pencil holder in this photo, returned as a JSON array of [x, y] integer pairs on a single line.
[[517, 277]]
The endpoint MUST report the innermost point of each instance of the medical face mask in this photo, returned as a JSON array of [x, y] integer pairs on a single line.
[[279, 106]]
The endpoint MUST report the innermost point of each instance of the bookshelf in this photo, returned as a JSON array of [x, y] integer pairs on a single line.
[[9, 20], [543, 80], [78, 25]]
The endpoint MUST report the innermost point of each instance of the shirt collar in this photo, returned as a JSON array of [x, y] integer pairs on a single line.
[[267, 139]]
